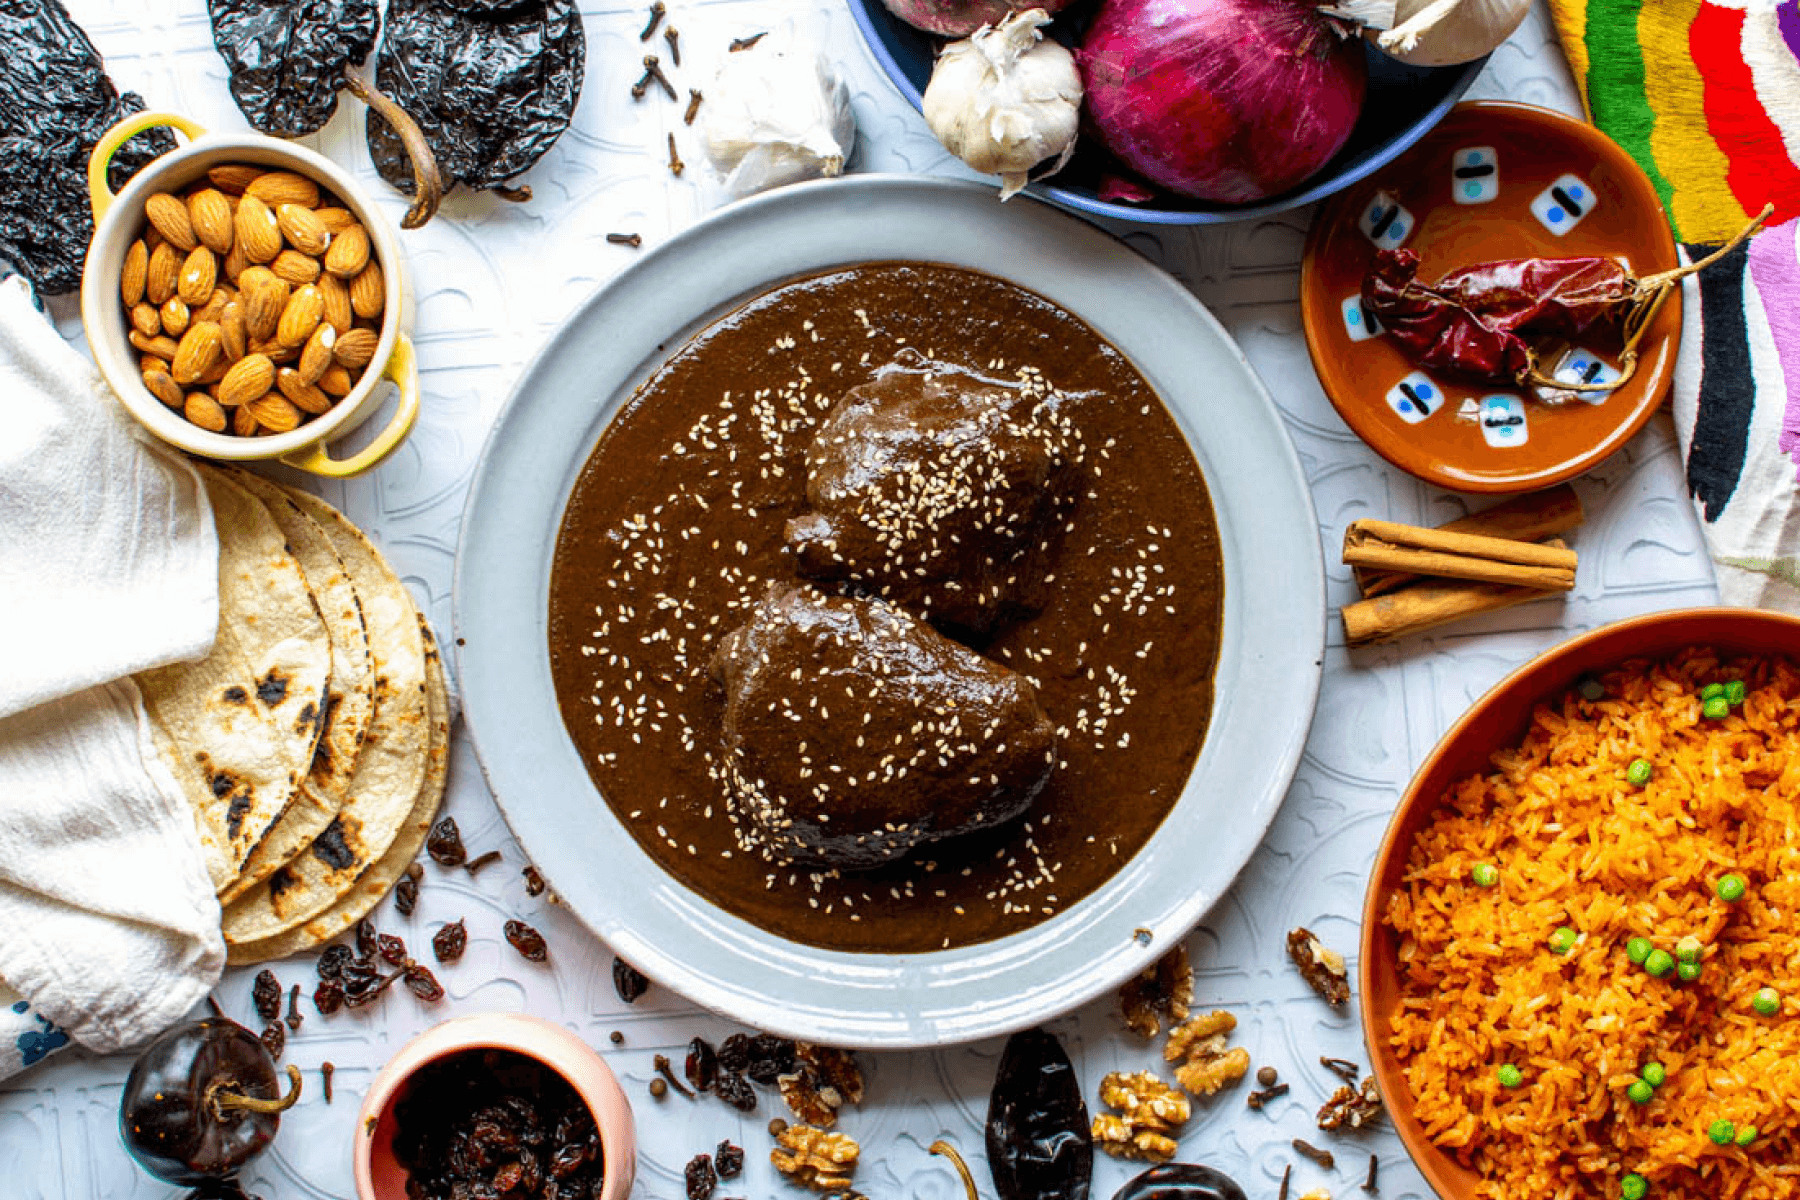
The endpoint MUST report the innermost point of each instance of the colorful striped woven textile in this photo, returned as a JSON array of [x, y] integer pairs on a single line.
[[1705, 95]]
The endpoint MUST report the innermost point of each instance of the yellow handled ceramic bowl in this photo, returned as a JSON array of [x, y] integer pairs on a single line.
[[119, 220]]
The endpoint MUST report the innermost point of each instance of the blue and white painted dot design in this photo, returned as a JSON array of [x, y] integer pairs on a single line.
[[1580, 366], [1503, 421], [1386, 222], [1359, 322], [1475, 175], [1415, 398], [1564, 204]]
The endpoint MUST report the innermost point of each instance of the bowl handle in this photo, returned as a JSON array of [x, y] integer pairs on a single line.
[[403, 368], [98, 193]]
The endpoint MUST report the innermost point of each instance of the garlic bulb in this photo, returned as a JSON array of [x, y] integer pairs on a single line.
[[1005, 99], [1441, 33], [777, 113]]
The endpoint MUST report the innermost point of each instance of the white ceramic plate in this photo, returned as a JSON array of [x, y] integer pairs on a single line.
[[1273, 636]]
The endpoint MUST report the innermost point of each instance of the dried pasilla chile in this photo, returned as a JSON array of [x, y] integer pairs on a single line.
[[1039, 1144], [289, 59], [1181, 1181], [492, 86], [57, 102]]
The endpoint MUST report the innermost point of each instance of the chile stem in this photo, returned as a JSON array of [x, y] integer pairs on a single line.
[[428, 181], [956, 1160], [221, 1101]]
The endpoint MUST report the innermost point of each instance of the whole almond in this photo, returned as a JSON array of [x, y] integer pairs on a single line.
[[204, 411], [305, 396], [232, 330], [199, 349], [348, 253], [232, 178], [335, 381], [149, 362], [254, 276], [355, 348], [146, 320], [235, 263], [175, 316], [214, 305], [284, 187], [162, 385], [210, 214], [274, 412], [263, 301], [243, 423], [338, 312], [315, 356], [295, 267], [248, 378], [300, 317], [303, 229], [198, 275], [162, 274], [215, 373], [170, 217], [162, 346], [132, 275], [368, 291], [335, 219], [258, 232]]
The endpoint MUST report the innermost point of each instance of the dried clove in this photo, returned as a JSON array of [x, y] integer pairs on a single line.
[[1369, 1183], [672, 36], [1273, 1092], [1286, 1174], [657, 10], [325, 1072], [625, 239], [293, 1012], [675, 163], [661, 1062], [1322, 1157], [693, 108], [744, 43], [1343, 1068], [653, 70]]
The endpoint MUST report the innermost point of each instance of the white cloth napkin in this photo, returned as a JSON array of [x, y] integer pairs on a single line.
[[109, 929]]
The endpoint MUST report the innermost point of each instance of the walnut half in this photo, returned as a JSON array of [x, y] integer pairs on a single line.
[[1160, 992], [819, 1159], [1352, 1107], [1322, 967], [1199, 1046], [1149, 1111]]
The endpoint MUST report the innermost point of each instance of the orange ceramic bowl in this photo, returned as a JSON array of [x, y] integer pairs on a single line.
[[1495, 180], [1497, 720], [380, 1177]]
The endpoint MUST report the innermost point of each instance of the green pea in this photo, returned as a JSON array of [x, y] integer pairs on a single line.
[[1660, 963], [1484, 875], [1509, 1075], [1563, 940], [1722, 1132], [1640, 1092], [1716, 709], [1746, 1135], [1655, 1073], [1688, 972], [1712, 690], [1634, 1187], [1734, 692], [1637, 950], [1689, 949], [1731, 888], [1639, 772], [1767, 1001]]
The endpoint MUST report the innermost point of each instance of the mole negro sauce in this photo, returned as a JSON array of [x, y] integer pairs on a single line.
[[675, 527]]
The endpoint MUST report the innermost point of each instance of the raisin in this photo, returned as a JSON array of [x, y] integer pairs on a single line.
[[448, 942], [406, 895], [628, 981], [367, 994], [734, 1053], [771, 1057], [700, 1178], [527, 941], [368, 941], [392, 949], [736, 1091], [265, 993], [728, 1160], [328, 997], [332, 963], [423, 984], [702, 1065], [534, 883], [274, 1036], [445, 845]]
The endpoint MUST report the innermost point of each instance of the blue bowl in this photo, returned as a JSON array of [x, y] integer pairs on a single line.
[[1401, 106]]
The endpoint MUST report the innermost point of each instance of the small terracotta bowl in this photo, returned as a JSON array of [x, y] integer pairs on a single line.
[[118, 220], [1497, 720], [380, 1177]]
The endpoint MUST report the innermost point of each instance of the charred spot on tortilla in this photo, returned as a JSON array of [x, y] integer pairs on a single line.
[[331, 849], [309, 716], [322, 751], [272, 688], [235, 694], [280, 882], [236, 810]]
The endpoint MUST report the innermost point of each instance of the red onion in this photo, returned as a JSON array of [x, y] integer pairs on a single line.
[[959, 18], [1223, 100]]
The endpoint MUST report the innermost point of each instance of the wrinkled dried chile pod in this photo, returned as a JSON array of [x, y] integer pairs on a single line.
[[1181, 1181], [1038, 1141], [287, 60]]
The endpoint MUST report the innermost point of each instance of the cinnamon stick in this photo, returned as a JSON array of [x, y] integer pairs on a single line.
[[1529, 518], [1424, 606], [1390, 546]]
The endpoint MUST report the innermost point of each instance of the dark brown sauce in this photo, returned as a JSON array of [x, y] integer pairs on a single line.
[[676, 526]]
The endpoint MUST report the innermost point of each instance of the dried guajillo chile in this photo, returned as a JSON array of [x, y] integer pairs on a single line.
[[1486, 321], [289, 59], [1039, 1144], [57, 102], [492, 85]]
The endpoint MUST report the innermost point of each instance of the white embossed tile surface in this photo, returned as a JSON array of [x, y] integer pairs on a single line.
[[493, 279]]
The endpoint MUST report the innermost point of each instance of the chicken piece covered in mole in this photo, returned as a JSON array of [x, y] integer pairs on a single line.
[[933, 487], [854, 732]]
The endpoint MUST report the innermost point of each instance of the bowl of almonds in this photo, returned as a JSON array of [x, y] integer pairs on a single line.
[[246, 299]]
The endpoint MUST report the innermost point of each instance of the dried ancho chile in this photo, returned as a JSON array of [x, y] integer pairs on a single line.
[[492, 85], [1181, 1181], [1039, 1144], [58, 101], [498, 1124]]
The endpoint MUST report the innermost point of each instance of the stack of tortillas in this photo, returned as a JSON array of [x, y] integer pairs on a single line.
[[313, 739]]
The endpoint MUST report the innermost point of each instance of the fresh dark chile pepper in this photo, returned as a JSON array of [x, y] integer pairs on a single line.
[[491, 85], [57, 102], [202, 1100], [1181, 1181], [1038, 1141]]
